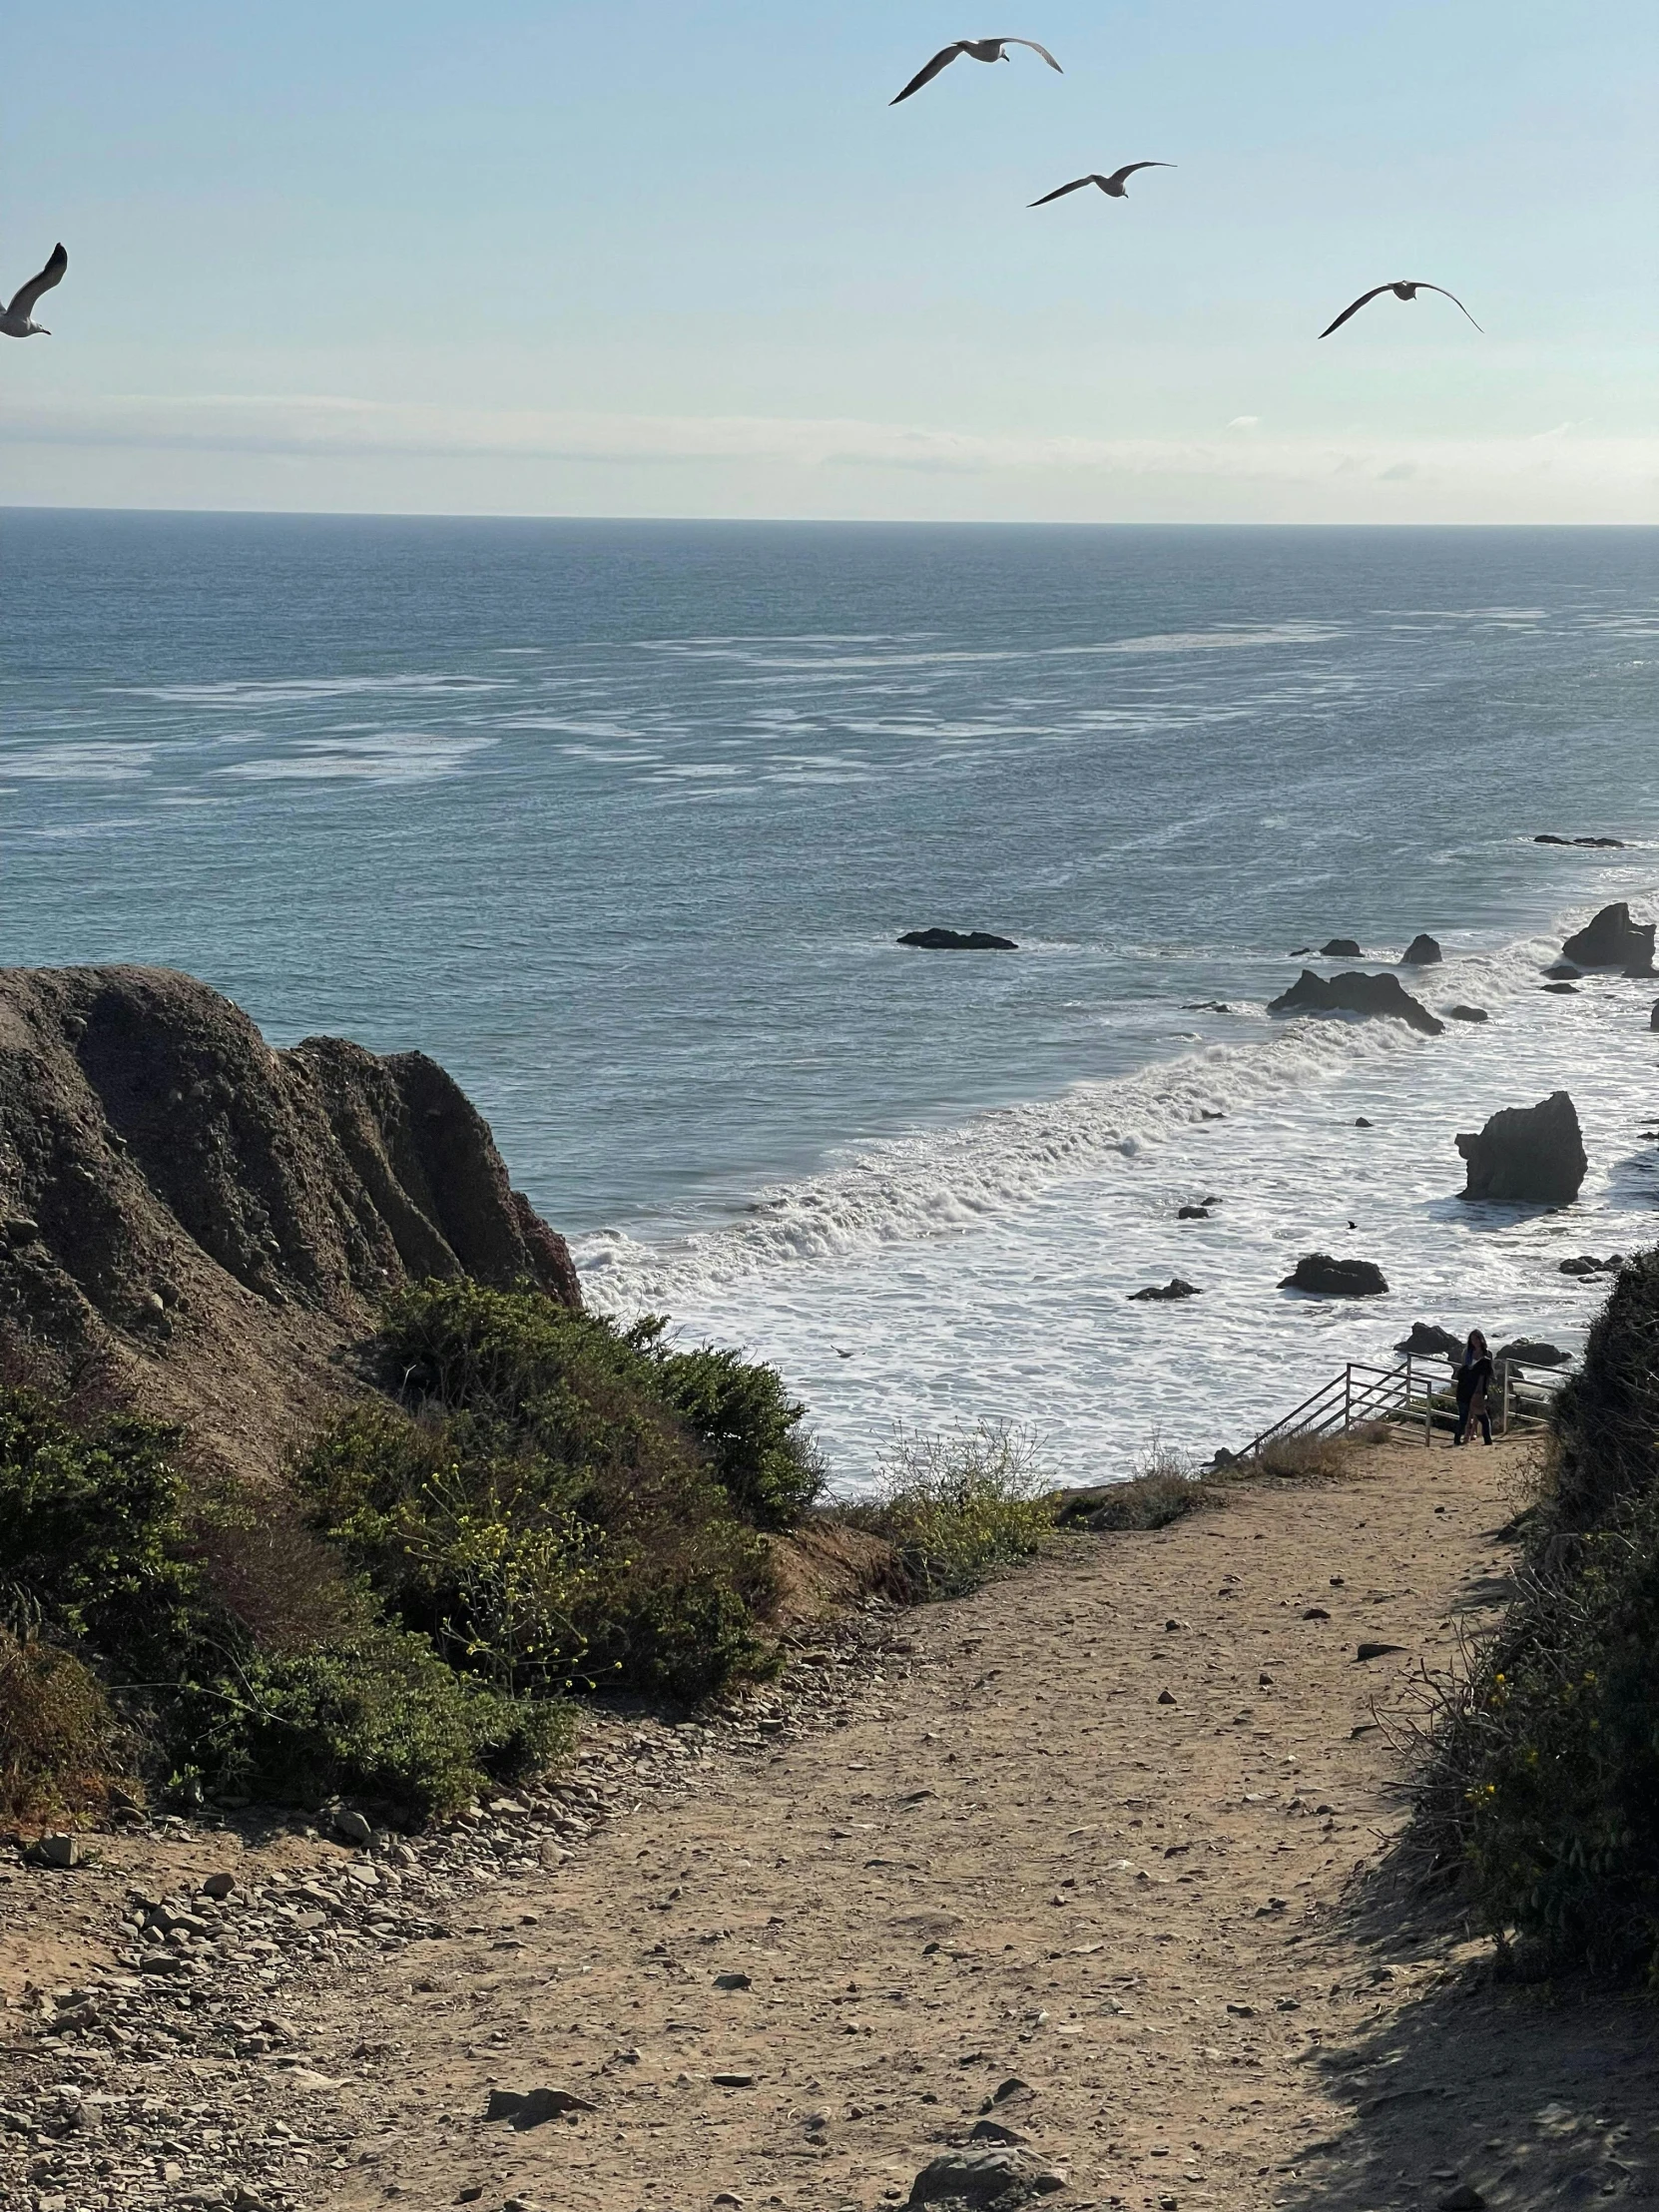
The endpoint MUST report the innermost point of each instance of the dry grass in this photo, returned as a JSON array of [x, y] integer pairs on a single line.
[[58, 1736]]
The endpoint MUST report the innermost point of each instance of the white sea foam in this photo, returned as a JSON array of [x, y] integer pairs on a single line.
[[986, 1269]]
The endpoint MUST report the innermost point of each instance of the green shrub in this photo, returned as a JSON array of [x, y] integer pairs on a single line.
[[113, 1609], [1606, 1420], [1548, 1764], [380, 1716], [553, 1509], [957, 1507]]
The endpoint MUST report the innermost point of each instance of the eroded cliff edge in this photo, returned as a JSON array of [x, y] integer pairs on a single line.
[[218, 1219]]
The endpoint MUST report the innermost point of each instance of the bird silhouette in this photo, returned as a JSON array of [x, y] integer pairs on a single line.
[[976, 50], [1115, 187], [1404, 289], [15, 318]]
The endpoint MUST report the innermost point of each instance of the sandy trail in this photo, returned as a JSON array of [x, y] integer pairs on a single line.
[[1022, 1862], [1109, 1829]]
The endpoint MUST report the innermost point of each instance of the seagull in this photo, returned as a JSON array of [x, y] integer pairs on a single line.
[[1406, 288], [976, 50], [14, 320], [1115, 187]]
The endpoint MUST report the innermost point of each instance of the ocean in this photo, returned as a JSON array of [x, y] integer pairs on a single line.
[[621, 822]]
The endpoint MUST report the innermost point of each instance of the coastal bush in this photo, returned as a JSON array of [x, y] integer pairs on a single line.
[[959, 1506], [117, 1633], [1545, 1781], [557, 1501], [1540, 1787]]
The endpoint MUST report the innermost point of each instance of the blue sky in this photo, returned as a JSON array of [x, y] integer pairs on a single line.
[[645, 257]]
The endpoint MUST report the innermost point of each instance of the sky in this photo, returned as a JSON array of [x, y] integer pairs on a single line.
[[662, 258]]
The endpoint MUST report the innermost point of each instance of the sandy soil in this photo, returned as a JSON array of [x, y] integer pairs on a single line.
[[1111, 1830]]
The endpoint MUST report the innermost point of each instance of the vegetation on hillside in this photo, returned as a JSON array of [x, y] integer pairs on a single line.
[[536, 1500], [957, 1507], [1543, 1788]]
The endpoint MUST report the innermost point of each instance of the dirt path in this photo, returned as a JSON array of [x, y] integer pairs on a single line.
[[1093, 1832]]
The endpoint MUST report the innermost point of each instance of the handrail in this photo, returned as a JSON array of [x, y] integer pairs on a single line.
[[1363, 1391]]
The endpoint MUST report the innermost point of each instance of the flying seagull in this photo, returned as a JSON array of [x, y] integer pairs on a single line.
[[976, 50], [1406, 288], [15, 320], [1116, 187]]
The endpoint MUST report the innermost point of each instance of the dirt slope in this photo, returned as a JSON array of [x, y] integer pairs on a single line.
[[217, 1218], [1002, 1857]]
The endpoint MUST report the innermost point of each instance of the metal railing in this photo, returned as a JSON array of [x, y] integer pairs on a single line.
[[1410, 1393]]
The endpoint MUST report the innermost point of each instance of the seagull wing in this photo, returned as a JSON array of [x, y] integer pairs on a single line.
[[1035, 47], [941, 60], [1060, 190], [23, 299], [1119, 176], [1445, 295], [1365, 300]]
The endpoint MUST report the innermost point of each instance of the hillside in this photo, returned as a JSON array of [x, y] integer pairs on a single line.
[[218, 1220]]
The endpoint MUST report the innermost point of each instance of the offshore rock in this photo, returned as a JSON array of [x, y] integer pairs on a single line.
[[1428, 1340], [1612, 940], [1326, 1276], [1340, 949], [1371, 995], [218, 1223], [1466, 1013], [1528, 1155], [1163, 1292], [1422, 951], [957, 940]]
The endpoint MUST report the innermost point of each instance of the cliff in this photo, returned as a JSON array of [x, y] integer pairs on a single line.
[[217, 1219]]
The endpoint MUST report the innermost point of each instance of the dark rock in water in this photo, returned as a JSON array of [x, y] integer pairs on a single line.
[[1466, 1013], [1639, 970], [1208, 1007], [1302, 952], [1428, 1341], [1326, 1276], [1562, 991], [1340, 948], [1549, 837], [1359, 1122], [1192, 1212], [1532, 1354], [1612, 940], [1354, 995], [1564, 971], [957, 940], [1528, 1155], [1162, 1291], [1614, 843], [1653, 1018], [1422, 951], [1587, 1263]]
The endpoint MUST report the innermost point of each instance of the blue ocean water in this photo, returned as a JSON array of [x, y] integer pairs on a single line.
[[621, 822]]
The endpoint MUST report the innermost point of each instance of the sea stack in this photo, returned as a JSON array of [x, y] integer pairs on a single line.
[[1612, 940], [1422, 951], [1528, 1155], [1356, 995]]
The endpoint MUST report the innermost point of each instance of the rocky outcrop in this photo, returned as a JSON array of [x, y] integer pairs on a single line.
[[1528, 1155], [1653, 1018], [957, 940], [1550, 839], [1531, 1354], [1323, 1277], [1466, 1013], [1428, 1340], [1612, 940], [1564, 971], [1422, 951], [1164, 1292], [1340, 949], [217, 1219], [1371, 995]]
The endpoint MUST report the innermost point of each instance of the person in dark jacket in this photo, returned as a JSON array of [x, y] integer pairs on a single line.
[[1475, 1381]]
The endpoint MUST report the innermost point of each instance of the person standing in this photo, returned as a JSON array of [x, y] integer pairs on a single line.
[[1475, 1381]]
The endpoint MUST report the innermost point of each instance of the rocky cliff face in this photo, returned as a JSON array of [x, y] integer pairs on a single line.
[[218, 1218]]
